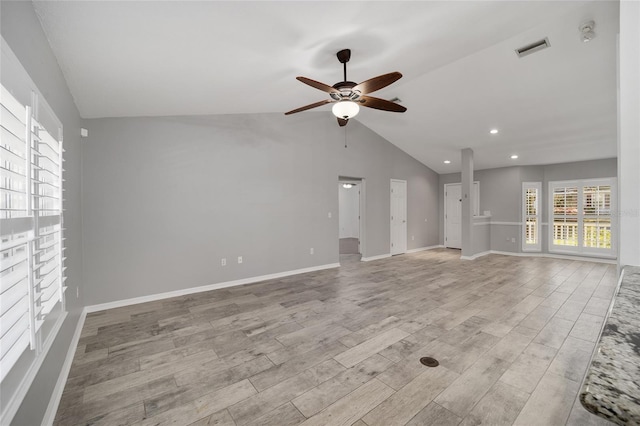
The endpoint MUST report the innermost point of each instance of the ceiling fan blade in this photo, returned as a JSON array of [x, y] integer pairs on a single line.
[[318, 85], [342, 122], [306, 107], [382, 104], [377, 83]]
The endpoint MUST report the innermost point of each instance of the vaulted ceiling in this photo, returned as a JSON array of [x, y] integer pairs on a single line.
[[461, 74]]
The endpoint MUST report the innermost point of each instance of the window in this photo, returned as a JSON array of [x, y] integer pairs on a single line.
[[31, 244], [581, 213], [596, 207], [531, 196]]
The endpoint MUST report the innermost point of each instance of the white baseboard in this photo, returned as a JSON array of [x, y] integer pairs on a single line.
[[475, 256], [549, 255], [56, 396], [378, 257], [556, 256], [384, 256], [415, 250], [169, 294]]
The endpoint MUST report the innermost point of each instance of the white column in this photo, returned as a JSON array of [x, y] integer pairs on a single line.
[[629, 134], [467, 202]]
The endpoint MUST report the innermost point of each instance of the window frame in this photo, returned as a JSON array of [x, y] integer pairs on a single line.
[[538, 216], [39, 227], [580, 184]]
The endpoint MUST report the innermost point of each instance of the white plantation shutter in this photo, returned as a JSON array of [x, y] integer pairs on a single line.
[[15, 312], [31, 244], [596, 208], [15, 319], [47, 206], [14, 164], [531, 199], [581, 214]]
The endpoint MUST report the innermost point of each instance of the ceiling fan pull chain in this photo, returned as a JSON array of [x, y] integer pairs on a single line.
[[345, 137]]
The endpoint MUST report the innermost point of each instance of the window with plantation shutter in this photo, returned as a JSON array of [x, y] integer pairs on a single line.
[[581, 216], [531, 193], [31, 242]]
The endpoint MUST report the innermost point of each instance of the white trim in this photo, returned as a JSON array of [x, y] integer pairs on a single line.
[[378, 257], [504, 223], [498, 223], [549, 255], [24, 386], [557, 256], [191, 290], [415, 250], [475, 256], [56, 396]]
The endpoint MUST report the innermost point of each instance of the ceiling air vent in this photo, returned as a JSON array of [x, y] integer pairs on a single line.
[[533, 47]]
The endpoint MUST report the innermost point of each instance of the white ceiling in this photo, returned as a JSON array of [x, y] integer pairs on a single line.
[[461, 75]]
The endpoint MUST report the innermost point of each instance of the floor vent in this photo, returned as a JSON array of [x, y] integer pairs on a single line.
[[533, 47], [429, 362]]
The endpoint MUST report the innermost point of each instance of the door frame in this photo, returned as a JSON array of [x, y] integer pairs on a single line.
[[406, 212], [476, 205]]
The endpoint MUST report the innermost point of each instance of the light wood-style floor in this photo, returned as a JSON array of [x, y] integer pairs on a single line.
[[513, 336]]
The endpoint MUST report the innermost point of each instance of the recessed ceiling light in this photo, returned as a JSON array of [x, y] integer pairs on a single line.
[[447, 162], [493, 131], [514, 156]]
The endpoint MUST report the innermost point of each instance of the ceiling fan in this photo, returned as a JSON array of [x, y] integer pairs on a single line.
[[346, 96]]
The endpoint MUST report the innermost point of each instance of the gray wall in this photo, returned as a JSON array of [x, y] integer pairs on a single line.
[[22, 31], [481, 231], [501, 193], [166, 198]]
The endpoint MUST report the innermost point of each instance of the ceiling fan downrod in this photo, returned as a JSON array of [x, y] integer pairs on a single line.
[[343, 56]]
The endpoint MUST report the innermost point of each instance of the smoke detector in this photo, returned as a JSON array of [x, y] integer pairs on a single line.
[[586, 31]]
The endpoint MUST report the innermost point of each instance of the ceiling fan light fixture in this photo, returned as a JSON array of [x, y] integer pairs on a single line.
[[345, 109]]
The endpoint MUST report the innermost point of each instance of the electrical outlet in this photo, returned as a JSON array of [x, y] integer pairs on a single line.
[[223, 262], [513, 240], [413, 238], [239, 259], [311, 250], [329, 215], [77, 292]]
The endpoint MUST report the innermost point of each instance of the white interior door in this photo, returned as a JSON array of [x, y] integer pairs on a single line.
[[453, 216], [398, 216]]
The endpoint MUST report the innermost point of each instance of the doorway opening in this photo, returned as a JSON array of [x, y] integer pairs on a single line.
[[350, 229]]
